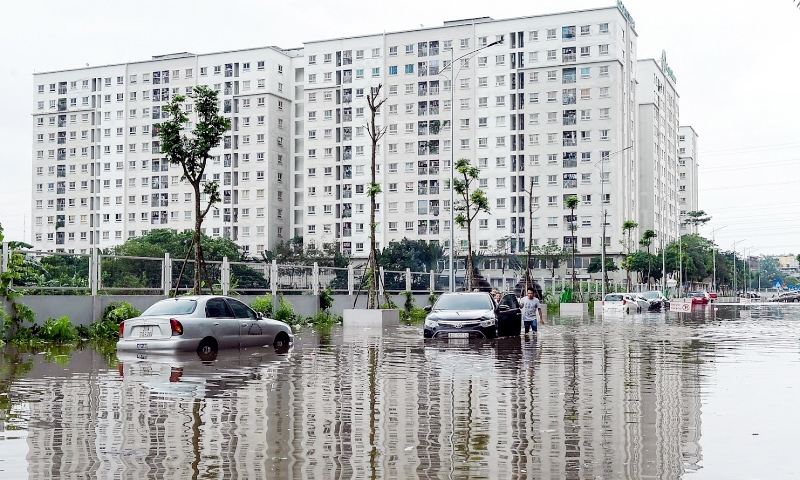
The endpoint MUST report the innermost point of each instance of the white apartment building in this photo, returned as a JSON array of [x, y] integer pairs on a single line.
[[687, 175], [542, 109], [657, 99], [551, 109], [99, 175]]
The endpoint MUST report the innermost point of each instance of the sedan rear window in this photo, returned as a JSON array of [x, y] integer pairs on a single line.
[[171, 307], [464, 302], [613, 298]]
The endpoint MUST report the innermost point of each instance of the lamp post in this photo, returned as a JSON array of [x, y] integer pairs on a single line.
[[734, 265], [603, 214], [453, 78], [746, 251], [714, 258]]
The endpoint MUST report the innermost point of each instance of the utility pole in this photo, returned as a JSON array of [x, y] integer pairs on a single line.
[[735, 290], [604, 216], [714, 257]]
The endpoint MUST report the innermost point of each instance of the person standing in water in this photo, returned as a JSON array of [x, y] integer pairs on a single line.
[[530, 305]]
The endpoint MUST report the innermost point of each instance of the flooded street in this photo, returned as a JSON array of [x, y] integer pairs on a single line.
[[711, 394]]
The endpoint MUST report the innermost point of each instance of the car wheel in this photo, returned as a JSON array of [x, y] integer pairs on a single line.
[[281, 340], [207, 350]]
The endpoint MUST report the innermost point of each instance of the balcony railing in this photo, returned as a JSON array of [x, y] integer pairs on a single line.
[[346, 232], [434, 91], [570, 57], [570, 163], [570, 142], [570, 120], [569, 78]]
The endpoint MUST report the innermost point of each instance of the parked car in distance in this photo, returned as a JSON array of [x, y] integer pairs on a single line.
[[642, 303], [480, 284], [698, 298], [619, 302], [750, 295], [471, 315], [713, 296], [656, 299], [787, 297], [202, 323]]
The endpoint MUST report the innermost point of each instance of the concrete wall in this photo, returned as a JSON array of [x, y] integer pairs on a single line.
[[85, 309]]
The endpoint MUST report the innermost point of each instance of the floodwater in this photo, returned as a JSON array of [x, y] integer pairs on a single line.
[[711, 394]]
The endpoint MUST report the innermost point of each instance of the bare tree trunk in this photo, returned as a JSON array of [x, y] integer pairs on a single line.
[[528, 277], [375, 135], [198, 250]]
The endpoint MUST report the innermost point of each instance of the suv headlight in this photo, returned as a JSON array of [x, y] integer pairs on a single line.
[[487, 322], [431, 323]]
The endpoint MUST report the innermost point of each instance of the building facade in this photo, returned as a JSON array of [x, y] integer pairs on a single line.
[[100, 177], [657, 100], [546, 107], [688, 165]]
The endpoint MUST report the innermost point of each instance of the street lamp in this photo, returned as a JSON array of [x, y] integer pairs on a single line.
[[453, 78], [714, 257], [746, 251], [734, 264], [603, 214]]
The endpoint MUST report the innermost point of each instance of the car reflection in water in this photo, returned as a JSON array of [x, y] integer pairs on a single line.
[[184, 375]]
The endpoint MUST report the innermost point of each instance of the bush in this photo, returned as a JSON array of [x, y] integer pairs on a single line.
[[323, 318], [262, 305], [118, 312], [58, 330], [409, 303], [285, 312], [102, 330], [325, 299], [415, 315]]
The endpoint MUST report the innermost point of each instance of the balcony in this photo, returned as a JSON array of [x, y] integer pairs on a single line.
[[569, 99], [570, 120], [570, 142], [434, 91], [347, 232], [347, 98], [569, 57], [347, 213], [422, 170], [570, 163], [569, 78], [347, 194], [347, 117], [422, 91], [570, 184], [422, 230], [62, 123], [433, 170]]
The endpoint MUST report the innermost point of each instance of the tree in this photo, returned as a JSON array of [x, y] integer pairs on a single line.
[[471, 203], [627, 229], [191, 152], [595, 265], [375, 134], [646, 241], [696, 217], [550, 255], [415, 255], [529, 256], [572, 203]]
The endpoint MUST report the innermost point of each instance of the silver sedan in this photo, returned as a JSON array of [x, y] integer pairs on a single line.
[[204, 324]]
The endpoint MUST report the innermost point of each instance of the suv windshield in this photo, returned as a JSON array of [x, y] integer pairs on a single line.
[[171, 307], [463, 302]]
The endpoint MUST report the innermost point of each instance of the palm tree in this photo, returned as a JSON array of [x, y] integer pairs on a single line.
[[572, 203], [646, 241]]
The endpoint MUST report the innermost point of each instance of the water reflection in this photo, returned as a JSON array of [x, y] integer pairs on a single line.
[[588, 397]]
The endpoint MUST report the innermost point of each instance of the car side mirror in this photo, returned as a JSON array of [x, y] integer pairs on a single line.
[[259, 316], [427, 308], [502, 308]]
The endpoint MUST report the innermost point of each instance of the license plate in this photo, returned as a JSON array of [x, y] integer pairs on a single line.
[[141, 356], [146, 331], [141, 346], [458, 335]]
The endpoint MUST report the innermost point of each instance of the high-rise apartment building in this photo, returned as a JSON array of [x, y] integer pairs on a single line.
[[657, 99], [687, 175], [539, 111], [100, 177], [546, 106]]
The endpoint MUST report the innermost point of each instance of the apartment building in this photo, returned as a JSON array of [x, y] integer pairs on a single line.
[[546, 106], [539, 110], [687, 175], [100, 177], [657, 100]]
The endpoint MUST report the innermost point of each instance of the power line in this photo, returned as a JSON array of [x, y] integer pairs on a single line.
[[755, 148]]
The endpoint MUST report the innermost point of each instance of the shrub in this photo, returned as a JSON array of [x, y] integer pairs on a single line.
[[409, 303], [322, 318], [57, 330], [325, 299], [415, 315], [102, 330], [285, 312], [262, 305], [118, 312]]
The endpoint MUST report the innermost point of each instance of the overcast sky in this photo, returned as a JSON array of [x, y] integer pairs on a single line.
[[723, 54]]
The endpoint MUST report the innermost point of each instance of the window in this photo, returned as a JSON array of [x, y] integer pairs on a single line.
[[586, 93], [604, 49], [604, 92], [603, 134], [551, 55], [603, 28]]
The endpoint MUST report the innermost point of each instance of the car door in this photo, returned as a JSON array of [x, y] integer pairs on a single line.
[[253, 332], [224, 325], [510, 320]]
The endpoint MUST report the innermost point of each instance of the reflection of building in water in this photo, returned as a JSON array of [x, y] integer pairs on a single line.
[[589, 402]]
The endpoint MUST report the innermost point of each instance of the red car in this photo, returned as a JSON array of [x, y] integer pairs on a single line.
[[698, 298]]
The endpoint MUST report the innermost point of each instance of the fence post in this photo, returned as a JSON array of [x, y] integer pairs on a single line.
[[273, 277], [350, 280], [408, 279], [225, 275], [315, 279], [166, 274], [6, 256], [382, 284], [432, 281], [94, 271]]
